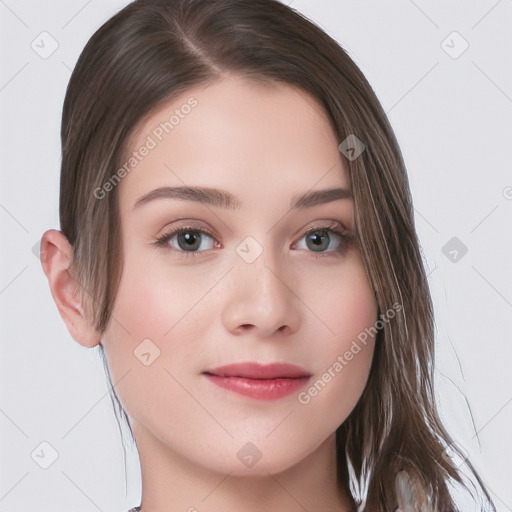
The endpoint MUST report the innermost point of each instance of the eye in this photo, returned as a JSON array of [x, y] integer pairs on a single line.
[[318, 239], [186, 240]]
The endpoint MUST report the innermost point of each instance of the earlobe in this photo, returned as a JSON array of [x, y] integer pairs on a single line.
[[56, 256]]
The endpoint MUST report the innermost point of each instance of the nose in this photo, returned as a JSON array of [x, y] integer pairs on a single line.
[[260, 298]]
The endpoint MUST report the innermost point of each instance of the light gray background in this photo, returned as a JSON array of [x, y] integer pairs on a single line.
[[452, 118]]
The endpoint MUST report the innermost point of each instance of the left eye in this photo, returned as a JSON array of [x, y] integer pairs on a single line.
[[319, 239]]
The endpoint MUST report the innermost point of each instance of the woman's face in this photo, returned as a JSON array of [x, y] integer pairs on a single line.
[[243, 282]]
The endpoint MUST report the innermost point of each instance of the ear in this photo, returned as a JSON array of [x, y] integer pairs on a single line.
[[56, 259]]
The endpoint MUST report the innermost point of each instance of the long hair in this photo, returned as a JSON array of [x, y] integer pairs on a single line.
[[154, 50]]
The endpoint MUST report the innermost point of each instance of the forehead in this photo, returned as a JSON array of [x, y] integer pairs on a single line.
[[255, 139]]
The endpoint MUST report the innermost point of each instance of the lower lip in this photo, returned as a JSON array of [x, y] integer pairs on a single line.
[[270, 389]]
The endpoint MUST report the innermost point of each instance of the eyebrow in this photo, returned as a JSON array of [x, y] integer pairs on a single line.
[[224, 199]]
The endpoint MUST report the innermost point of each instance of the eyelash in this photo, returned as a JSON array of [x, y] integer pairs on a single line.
[[346, 240]]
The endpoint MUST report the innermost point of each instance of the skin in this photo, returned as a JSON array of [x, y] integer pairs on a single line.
[[265, 144]]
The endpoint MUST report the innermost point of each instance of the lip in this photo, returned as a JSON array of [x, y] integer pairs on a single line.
[[265, 382]]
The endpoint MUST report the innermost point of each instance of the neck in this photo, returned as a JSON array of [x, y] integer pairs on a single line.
[[173, 483]]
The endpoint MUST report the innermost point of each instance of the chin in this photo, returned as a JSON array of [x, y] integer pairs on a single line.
[[249, 461]]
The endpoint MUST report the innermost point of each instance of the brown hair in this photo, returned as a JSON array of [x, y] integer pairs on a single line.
[[154, 50]]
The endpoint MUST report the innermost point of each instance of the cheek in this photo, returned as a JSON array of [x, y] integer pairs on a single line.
[[344, 306], [155, 295], [348, 311], [154, 325], [144, 346]]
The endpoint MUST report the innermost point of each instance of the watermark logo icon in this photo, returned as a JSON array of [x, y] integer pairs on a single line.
[[453, 457], [454, 45], [44, 45], [352, 147], [454, 249], [36, 249], [146, 352], [44, 455], [249, 249], [249, 455]]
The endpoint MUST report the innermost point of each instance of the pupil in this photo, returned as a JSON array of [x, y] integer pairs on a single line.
[[190, 239], [317, 240]]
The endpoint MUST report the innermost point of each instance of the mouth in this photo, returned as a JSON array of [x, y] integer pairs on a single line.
[[266, 382]]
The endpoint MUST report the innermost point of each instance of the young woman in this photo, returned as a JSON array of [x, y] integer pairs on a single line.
[[237, 236]]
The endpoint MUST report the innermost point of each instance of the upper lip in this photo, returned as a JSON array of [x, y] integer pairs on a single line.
[[260, 371]]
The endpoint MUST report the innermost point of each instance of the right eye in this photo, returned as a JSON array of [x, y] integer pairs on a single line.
[[186, 239]]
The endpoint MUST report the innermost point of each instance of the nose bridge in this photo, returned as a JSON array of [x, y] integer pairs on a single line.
[[259, 269], [261, 295]]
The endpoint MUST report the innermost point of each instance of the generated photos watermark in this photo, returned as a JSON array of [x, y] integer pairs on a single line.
[[151, 142], [304, 397]]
